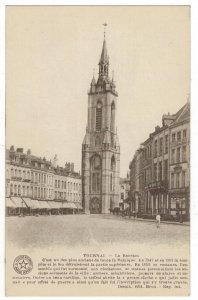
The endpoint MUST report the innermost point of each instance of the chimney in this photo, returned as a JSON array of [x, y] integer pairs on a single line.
[[29, 152], [19, 150]]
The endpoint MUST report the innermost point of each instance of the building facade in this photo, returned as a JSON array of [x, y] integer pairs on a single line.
[[124, 193], [162, 163], [100, 148], [67, 184], [40, 180]]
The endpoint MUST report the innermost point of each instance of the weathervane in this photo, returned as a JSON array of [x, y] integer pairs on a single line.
[[105, 24]]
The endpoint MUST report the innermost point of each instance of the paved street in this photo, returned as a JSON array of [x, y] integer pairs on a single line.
[[91, 230]]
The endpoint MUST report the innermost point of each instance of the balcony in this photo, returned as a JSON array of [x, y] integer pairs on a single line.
[[16, 178], [26, 180], [178, 191]]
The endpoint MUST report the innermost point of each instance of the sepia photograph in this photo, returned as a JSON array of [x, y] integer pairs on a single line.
[[97, 158]]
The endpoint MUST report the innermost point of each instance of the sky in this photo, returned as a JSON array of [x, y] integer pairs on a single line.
[[51, 52]]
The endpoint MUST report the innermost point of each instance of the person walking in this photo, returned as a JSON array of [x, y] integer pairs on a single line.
[[158, 220]]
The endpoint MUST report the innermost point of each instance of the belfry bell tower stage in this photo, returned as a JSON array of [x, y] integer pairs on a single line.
[[100, 148]]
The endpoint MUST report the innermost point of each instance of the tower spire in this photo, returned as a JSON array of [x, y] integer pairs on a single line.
[[104, 59]]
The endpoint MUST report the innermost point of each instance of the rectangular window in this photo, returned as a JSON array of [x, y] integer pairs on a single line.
[[161, 146], [173, 156], [160, 170], [155, 149], [184, 153], [184, 134], [173, 137], [178, 155], [179, 136], [177, 180], [172, 181], [155, 171], [183, 178], [165, 169], [166, 144]]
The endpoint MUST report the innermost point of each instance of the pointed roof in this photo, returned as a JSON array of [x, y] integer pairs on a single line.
[[86, 140], [104, 56], [183, 114], [93, 82]]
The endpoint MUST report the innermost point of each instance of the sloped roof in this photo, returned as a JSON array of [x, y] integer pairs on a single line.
[[182, 115]]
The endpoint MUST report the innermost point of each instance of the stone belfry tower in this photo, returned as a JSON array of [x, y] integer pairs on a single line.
[[100, 148]]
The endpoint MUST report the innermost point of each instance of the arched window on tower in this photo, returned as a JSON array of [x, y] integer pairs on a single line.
[[111, 182], [113, 163], [98, 116], [95, 173], [113, 117], [111, 175]]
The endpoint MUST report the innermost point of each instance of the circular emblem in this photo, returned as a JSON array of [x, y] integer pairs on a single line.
[[23, 264]]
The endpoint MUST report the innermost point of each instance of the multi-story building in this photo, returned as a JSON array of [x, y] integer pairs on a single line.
[[136, 182], [67, 184], [37, 183], [18, 173], [179, 175], [156, 184], [163, 167], [124, 192]]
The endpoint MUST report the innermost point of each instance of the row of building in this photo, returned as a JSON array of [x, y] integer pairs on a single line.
[[159, 170], [39, 182]]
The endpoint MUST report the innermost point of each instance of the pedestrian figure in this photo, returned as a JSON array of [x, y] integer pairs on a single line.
[[134, 214], [158, 220]]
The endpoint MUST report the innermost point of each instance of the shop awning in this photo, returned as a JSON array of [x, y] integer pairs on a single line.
[[55, 205], [66, 205], [78, 205], [35, 204], [18, 202], [28, 202], [44, 204], [10, 203], [69, 205], [72, 205]]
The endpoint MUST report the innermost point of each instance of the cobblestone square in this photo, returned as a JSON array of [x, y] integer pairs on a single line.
[[92, 230]]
